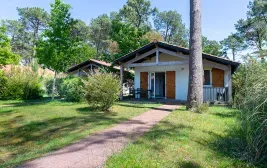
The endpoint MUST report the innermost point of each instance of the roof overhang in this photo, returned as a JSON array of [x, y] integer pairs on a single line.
[[173, 48], [92, 61]]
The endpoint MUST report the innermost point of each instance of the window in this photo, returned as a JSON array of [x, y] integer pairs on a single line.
[[207, 77]]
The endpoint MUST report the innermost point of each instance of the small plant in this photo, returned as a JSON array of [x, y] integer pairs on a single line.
[[102, 90], [203, 108]]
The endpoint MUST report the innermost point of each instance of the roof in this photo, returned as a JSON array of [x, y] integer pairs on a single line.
[[89, 61], [174, 48]]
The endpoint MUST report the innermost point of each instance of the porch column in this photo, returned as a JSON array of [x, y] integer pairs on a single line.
[[121, 82], [157, 55], [230, 84]]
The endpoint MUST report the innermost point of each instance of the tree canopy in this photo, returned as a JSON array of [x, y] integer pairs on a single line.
[[55, 48], [6, 55], [170, 24], [110, 36], [211, 47], [137, 12]]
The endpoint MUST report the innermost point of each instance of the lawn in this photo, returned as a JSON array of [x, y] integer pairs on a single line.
[[31, 129], [185, 139]]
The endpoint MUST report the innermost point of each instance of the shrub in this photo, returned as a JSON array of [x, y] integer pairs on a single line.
[[59, 91], [102, 90], [203, 108], [250, 84], [17, 83], [73, 89]]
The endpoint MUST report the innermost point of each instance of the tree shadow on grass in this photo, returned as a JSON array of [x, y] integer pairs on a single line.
[[189, 164], [164, 130], [225, 115], [27, 102], [34, 135], [6, 111], [93, 109], [142, 106]]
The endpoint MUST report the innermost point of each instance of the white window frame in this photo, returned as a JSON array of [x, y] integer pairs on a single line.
[[208, 69]]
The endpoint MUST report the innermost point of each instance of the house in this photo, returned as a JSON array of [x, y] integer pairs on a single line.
[[162, 71], [91, 65]]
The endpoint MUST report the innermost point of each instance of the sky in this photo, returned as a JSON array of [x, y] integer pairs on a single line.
[[218, 16]]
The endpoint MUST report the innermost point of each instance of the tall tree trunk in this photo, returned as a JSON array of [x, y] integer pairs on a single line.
[[54, 86], [195, 84], [233, 52]]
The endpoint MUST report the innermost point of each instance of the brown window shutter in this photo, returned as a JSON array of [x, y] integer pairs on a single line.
[[144, 80], [170, 84]]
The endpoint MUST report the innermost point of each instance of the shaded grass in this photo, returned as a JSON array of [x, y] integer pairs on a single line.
[[188, 140], [30, 130]]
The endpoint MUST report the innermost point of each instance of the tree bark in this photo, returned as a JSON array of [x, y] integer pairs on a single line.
[[233, 52], [54, 86], [195, 84]]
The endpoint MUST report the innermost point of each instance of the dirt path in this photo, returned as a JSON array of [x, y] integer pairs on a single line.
[[95, 150]]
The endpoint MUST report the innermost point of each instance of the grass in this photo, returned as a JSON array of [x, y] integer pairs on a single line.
[[33, 128], [188, 140]]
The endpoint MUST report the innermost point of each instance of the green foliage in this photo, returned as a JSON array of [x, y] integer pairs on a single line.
[[6, 55], [253, 28], [73, 89], [80, 31], [99, 33], [102, 89], [17, 83], [172, 28], [83, 52], [211, 47], [128, 37], [250, 96], [137, 12], [70, 88], [55, 48], [34, 18], [58, 91], [20, 40], [33, 21], [234, 43]]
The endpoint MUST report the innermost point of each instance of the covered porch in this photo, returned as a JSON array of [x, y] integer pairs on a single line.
[[162, 72]]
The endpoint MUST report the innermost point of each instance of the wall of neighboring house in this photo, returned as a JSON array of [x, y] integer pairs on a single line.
[[83, 71]]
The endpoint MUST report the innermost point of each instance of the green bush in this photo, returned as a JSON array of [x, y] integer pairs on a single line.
[[59, 91], [20, 84], [70, 88], [102, 90], [73, 89], [250, 85]]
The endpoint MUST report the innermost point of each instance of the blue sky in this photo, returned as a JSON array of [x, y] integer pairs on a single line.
[[218, 16]]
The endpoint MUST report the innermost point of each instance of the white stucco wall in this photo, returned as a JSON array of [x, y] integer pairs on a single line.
[[181, 78]]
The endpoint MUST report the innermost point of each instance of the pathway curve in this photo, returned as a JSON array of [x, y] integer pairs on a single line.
[[94, 150]]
